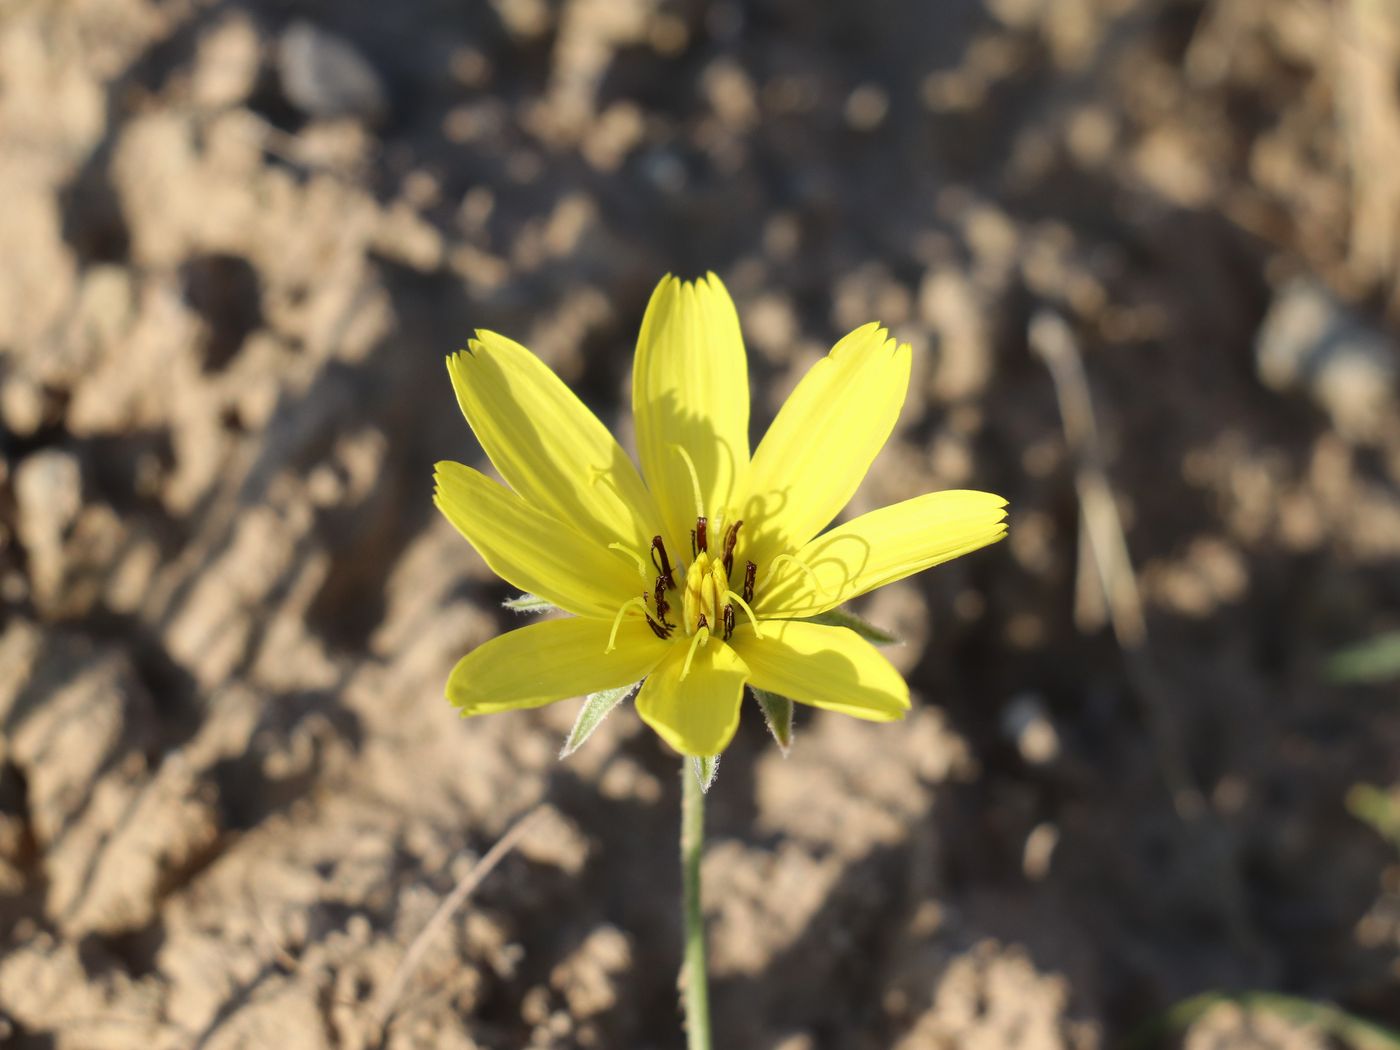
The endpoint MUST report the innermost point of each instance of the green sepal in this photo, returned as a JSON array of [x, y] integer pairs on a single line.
[[596, 708], [777, 713], [704, 769], [528, 603], [868, 631]]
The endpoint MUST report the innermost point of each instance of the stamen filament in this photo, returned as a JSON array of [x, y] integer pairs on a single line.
[[641, 565], [701, 635], [694, 480], [745, 606], [617, 620]]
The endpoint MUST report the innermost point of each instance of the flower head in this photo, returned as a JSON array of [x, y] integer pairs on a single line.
[[699, 574]]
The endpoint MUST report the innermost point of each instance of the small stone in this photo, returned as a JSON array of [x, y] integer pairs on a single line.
[[48, 492], [1026, 723], [1039, 851], [106, 310], [325, 77], [664, 170], [730, 93], [470, 67], [48, 489], [21, 405], [949, 304], [866, 107], [1313, 343], [668, 34], [772, 324], [226, 63]]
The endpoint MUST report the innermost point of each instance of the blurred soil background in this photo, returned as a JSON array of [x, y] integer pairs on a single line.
[[237, 240]]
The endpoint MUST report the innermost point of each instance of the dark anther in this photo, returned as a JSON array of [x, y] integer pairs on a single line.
[[661, 630], [662, 563], [750, 571], [662, 605], [728, 621], [701, 622], [731, 537], [693, 549], [702, 541]]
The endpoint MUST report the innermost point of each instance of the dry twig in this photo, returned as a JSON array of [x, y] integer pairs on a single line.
[[1102, 538], [451, 903]]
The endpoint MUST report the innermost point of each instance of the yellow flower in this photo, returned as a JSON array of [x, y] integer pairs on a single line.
[[697, 574]]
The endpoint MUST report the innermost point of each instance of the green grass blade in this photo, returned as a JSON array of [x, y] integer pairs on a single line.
[[1374, 660], [1378, 808], [1353, 1031]]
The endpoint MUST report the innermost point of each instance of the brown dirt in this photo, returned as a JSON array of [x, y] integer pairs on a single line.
[[230, 792]]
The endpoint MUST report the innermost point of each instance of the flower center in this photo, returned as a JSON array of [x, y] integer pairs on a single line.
[[708, 599], [704, 602]]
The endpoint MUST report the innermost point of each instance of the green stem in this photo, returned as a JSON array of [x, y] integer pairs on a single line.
[[694, 976]]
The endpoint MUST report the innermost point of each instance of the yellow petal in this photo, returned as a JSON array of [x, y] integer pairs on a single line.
[[828, 667], [881, 547], [822, 442], [551, 660], [529, 549], [690, 388], [547, 445], [697, 714]]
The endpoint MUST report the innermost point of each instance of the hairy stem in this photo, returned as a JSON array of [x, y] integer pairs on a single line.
[[694, 977]]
